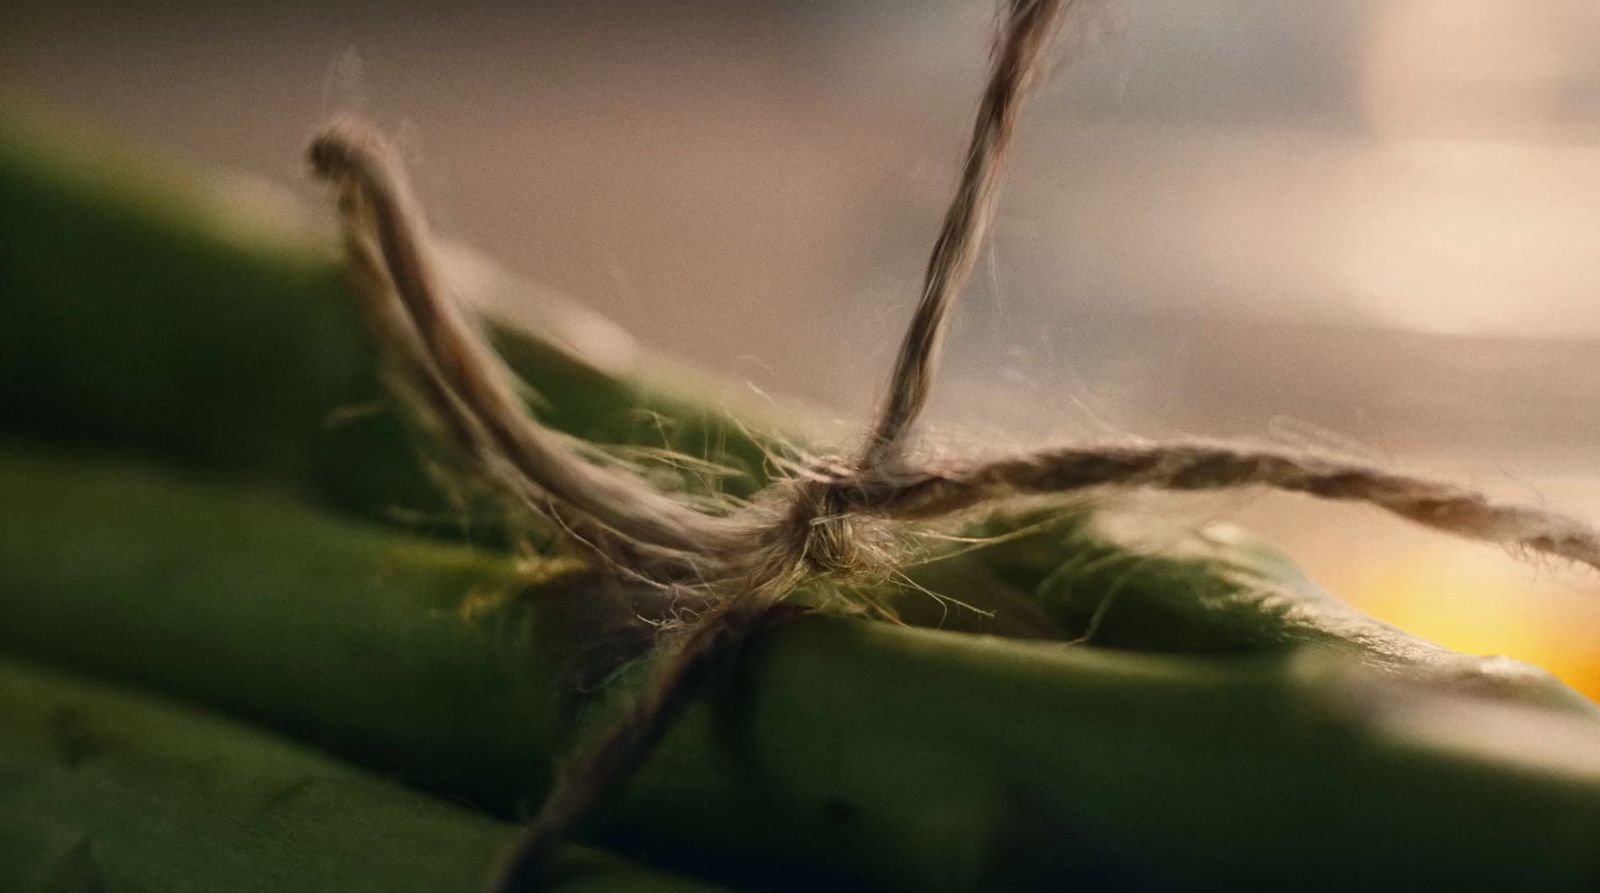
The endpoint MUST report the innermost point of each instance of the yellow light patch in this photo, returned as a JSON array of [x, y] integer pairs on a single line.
[[1484, 604]]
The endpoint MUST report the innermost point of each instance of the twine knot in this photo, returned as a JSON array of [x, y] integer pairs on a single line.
[[823, 535]]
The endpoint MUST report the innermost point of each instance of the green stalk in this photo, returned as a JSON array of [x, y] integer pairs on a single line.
[[167, 318], [105, 790], [1214, 591], [908, 758]]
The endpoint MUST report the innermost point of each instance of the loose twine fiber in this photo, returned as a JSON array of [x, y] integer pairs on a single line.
[[830, 520]]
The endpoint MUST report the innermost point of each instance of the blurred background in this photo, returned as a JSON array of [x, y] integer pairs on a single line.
[[1365, 224]]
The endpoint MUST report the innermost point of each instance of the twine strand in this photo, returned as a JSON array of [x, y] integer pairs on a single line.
[[1031, 25], [465, 382]]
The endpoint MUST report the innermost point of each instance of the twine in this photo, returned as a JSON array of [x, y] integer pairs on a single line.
[[830, 522]]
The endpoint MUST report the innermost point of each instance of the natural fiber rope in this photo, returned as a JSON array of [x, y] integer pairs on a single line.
[[827, 522], [1028, 32]]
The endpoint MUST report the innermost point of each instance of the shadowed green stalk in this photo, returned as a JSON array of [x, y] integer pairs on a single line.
[[105, 790]]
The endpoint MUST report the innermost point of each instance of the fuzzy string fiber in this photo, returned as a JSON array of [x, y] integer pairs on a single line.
[[833, 518]]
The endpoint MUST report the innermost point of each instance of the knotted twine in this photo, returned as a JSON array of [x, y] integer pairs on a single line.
[[829, 521]]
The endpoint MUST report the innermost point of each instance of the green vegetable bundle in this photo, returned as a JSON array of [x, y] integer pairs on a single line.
[[193, 510]]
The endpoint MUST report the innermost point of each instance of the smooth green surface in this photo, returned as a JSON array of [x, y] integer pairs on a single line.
[[912, 759], [109, 791]]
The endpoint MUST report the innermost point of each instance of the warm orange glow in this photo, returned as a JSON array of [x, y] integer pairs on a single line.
[[1485, 604]]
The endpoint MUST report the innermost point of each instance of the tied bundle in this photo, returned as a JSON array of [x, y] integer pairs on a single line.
[[834, 519]]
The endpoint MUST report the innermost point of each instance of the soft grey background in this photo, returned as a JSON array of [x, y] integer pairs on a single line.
[[1365, 222]]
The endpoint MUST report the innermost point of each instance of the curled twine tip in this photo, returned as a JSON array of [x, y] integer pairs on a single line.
[[744, 561]]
